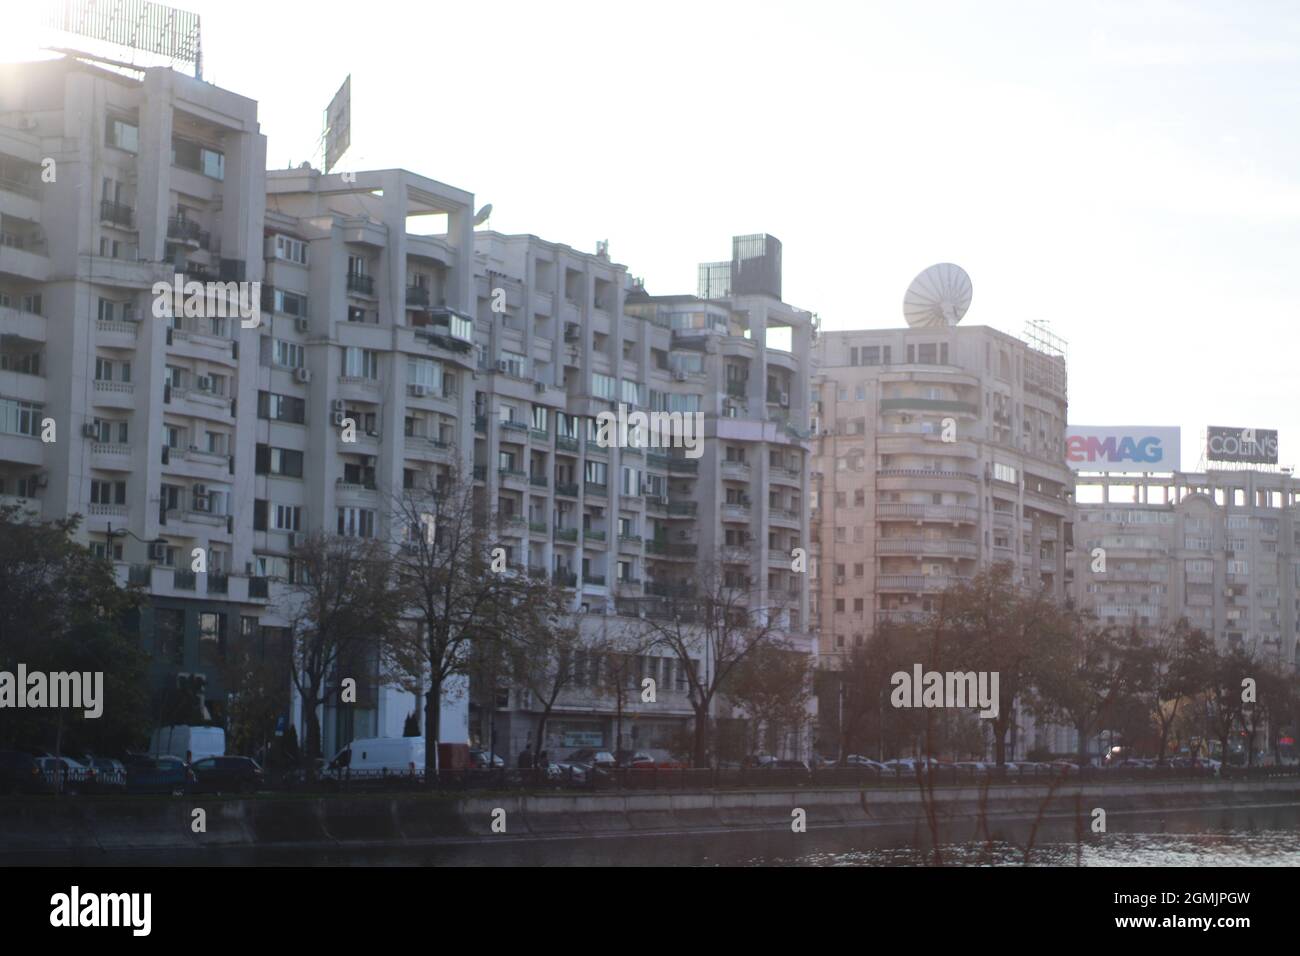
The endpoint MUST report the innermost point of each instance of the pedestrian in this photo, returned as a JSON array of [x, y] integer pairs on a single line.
[[526, 757]]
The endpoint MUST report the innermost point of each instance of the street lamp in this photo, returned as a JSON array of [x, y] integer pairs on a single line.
[[111, 534]]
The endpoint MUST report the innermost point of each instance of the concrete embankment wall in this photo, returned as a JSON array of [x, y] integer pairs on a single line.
[[48, 826]]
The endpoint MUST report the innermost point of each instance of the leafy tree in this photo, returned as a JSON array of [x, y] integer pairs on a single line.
[[993, 624], [773, 686], [63, 611], [1080, 683]]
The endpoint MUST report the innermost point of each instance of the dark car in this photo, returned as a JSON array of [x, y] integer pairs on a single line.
[[226, 775], [158, 775], [20, 773], [602, 759]]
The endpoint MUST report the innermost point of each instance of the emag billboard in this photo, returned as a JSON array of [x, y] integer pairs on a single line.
[[1123, 448], [1257, 446]]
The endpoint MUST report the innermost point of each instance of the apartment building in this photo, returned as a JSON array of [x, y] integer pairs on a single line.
[[368, 318], [1220, 548], [109, 183], [627, 527], [939, 451]]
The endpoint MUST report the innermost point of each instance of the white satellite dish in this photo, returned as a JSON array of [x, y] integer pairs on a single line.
[[482, 215], [938, 296]]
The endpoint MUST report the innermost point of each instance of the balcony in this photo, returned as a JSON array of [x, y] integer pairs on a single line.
[[538, 481], [183, 230], [184, 580], [116, 213], [537, 527], [917, 583], [954, 547], [735, 512], [566, 489], [593, 580], [361, 284], [735, 470], [566, 534], [480, 424], [417, 297], [689, 466], [540, 435], [599, 490], [565, 578], [668, 549], [683, 509], [928, 405], [218, 583], [258, 588], [566, 443], [932, 473], [594, 534], [956, 514]]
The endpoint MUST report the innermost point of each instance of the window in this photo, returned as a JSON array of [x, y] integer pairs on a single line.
[[290, 303], [284, 462], [288, 354], [425, 373], [288, 518], [356, 522], [281, 408], [291, 250], [188, 154], [596, 472], [361, 363], [602, 386], [122, 134], [107, 492]]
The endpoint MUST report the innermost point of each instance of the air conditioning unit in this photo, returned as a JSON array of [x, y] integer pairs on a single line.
[[785, 399], [157, 552], [502, 365], [337, 418], [419, 391], [89, 430], [679, 376], [746, 500], [337, 405], [302, 375], [203, 383], [539, 387], [302, 324], [571, 331]]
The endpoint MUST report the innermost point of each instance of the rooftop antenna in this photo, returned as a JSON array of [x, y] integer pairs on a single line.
[[938, 296]]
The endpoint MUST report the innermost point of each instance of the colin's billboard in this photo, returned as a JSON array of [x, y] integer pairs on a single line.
[[1122, 448], [1257, 446]]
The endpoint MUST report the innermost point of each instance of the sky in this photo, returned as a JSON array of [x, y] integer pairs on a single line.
[[1127, 171]]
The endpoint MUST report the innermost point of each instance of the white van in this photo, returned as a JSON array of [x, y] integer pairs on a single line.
[[375, 754], [188, 743]]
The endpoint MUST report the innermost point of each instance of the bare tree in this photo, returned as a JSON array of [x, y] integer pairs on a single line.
[[341, 608], [540, 659], [710, 631], [459, 587]]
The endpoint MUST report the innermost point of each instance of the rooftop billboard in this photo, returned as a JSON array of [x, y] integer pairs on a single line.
[[1257, 446], [1134, 448]]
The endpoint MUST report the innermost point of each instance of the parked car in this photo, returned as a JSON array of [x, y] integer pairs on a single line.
[[67, 774], [859, 762], [757, 760], [592, 758], [20, 773], [971, 767], [226, 775], [823, 763], [480, 759], [107, 774], [166, 774]]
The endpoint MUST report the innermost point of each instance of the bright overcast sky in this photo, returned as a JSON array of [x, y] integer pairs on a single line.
[[1129, 171]]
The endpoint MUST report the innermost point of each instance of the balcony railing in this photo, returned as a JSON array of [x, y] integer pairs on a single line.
[[565, 443], [538, 481], [566, 534], [119, 214], [565, 578], [183, 229], [567, 489], [417, 296], [593, 488], [361, 283], [183, 580]]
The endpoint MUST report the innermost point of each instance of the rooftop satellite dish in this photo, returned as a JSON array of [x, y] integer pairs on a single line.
[[938, 296], [482, 215]]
